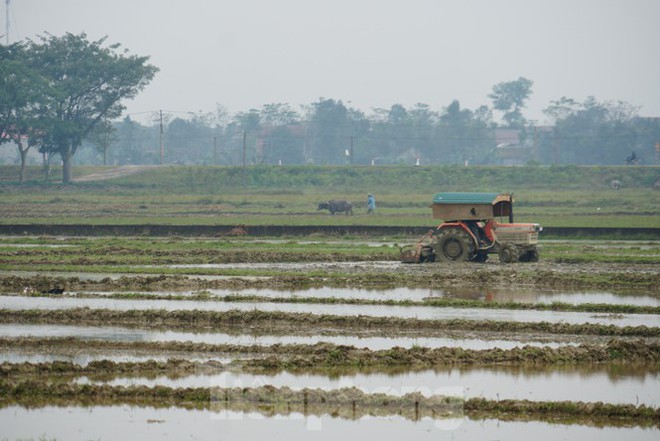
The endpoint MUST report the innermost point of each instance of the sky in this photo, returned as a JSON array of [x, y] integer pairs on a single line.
[[242, 54]]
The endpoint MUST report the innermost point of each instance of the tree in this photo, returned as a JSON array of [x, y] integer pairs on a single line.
[[243, 131], [87, 83], [281, 137], [102, 136], [424, 124], [330, 132], [561, 108], [509, 97], [463, 136], [19, 96], [591, 132], [135, 143], [278, 114]]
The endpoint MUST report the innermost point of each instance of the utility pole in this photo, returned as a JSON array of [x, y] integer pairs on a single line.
[[351, 150], [535, 147], [244, 149], [162, 150], [7, 21]]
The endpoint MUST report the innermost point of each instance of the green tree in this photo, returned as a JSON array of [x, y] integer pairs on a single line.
[[285, 144], [20, 91], [424, 123], [463, 136], [282, 137], [135, 143], [591, 132], [278, 114], [243, 137], [509, 97], [102, 136], [397, 134], [87, 83], [329, 132]]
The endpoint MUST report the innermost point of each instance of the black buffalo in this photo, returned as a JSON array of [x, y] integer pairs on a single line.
[[337, 206]]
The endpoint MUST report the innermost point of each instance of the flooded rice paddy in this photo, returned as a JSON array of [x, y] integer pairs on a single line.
[[489, 295], [120, 408], [622, 386], [413, 312], [129, 422], [119, 334], [84, 358]]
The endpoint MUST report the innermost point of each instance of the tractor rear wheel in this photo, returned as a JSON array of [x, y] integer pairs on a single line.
[[509, 253], [454, 245]]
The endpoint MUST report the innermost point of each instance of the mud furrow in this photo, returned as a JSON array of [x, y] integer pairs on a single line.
[[328, 355], [270, 321]]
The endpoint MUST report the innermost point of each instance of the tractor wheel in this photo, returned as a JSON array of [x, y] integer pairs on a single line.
[[454, 245], [530, 256], [508, 253], [480, 257]]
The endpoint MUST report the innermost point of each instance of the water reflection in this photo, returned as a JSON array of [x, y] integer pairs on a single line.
[[576, 384], [418, 312], [374, 343], [128, 422]]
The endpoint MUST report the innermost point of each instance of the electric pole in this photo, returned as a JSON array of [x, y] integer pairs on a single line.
[[244, 149], [351, 150], [7, 21], [162, 150]]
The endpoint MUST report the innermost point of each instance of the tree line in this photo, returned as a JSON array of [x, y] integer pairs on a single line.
[[63, 96], [328, 132]]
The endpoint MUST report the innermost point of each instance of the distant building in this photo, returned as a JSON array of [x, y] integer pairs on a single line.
[[509, 150]]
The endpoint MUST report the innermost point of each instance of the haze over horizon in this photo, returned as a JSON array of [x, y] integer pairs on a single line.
[[368, 53]]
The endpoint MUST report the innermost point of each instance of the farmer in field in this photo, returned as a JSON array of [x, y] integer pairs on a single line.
[[371, 204]]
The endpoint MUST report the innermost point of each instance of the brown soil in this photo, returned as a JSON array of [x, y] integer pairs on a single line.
[[114, 172], [309, 357], [107, 367], [256, 321], [641, 277]]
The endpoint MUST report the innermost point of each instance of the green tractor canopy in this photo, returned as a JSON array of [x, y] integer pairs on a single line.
[[472, 206]]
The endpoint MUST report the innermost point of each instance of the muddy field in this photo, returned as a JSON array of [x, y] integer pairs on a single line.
[[330, 337]]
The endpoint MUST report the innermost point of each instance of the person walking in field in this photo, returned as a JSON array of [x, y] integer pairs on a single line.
[[371, 204]]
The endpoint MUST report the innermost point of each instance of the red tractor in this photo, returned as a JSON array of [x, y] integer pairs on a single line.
[[471, 231]]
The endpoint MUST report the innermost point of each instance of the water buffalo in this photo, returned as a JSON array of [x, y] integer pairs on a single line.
[[337, 206]]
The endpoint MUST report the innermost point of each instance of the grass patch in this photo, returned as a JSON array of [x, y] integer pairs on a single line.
[[580, 196]]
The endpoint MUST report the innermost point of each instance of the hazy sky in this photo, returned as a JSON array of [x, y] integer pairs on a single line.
[[242, 54]]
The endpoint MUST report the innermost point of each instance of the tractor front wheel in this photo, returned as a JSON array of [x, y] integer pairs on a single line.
[[530, 256], [454, 245], [508, 253]]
